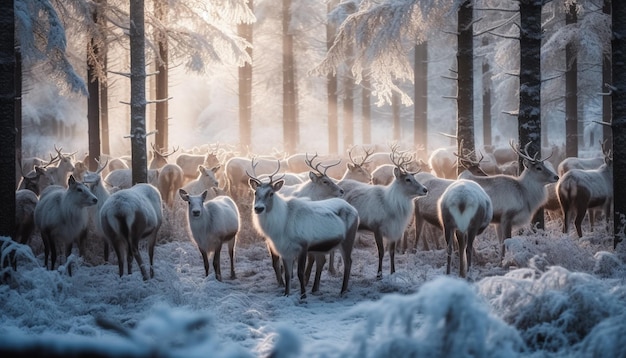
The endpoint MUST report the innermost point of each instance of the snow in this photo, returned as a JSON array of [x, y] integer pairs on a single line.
[[555, 295]]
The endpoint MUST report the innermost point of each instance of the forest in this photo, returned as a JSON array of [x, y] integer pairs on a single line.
[[333, 81]]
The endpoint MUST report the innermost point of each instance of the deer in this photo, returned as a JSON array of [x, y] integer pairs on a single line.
[[213, 223], [443, 163], [236, 177], [516, 199], [204, 181], [190, 163], [159, 158], [297, 226], [95, 183], [464, 211], [61, 218], [385, 210], [170, 180], [356, 169], [128, 216], [123, 178], [37, 180], [25, 203], [580, 191], [64, 166]]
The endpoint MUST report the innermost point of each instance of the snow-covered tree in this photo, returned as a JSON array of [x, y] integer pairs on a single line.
[[8, 96], [618, 86]]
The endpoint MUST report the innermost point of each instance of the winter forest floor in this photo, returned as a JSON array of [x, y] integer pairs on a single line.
[[555, 295]]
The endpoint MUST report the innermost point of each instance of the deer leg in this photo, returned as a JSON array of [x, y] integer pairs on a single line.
[[311, 258], [288, 266], [53, 253], [462, 240], [301, 264], [205, 260], [320, 260], [449, 235], [46, 246], [381, 253], [392, 257], [231, 254], [216, 262], [419, 225], [68, 252]]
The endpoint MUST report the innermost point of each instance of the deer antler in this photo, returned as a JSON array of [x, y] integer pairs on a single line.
[[368, 153]]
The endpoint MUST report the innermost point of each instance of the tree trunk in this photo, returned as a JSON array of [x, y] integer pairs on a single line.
[[348, 108], [104, 105], [161, 120], [18, 115], [465, 82], [289, 85], [93, 102], [420, 100], [8, 96], [607, 75], [486, 72], [618, 60], [331, 89], [138, 93], [245, 88], [366, 109], [395, 115], [571, 91], [529, 120]]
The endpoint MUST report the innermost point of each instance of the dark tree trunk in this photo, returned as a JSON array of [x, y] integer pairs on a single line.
[[138, 93], [18, 115], [104, 105], [331, 89], [529, 121], [161, 119], [420, 100], [607, 74], [465, 84], [245, 88], [486, 72], [571, 91], [8, 96], [366, 109], [348, 107], [289, 85], [618, 60], [395, 115], [93, 102]]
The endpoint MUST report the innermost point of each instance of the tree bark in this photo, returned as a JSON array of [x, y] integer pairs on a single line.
[[395, 115], [607, 75], [420, 100], [8, 96], [366, 109], [348, 107], [486, 72], [618, 61], [289, 85], [571, 91], [161, 116], [104, 105], [93, 102], [465, 81], [138, 93], [529, 120], [331, 89], [245, 88]]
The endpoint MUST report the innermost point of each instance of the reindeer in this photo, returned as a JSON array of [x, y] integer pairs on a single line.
[[128, 216], [159, 159], [25, 203], [516, 199], [442, 161], [464, 210], [190, 163], [37, 180], [213, 223], [580, 191], [385, 210], [61, 218], [356, 169], [123, 178], [95, 183], [236, 169], [297, 226], [319, 186], [170, 180], [64, 167], [205, 181]]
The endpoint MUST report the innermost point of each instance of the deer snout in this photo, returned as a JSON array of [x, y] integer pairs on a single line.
[[424, 191], [341, 192], [258, 209], [195, 213], [94, 201]]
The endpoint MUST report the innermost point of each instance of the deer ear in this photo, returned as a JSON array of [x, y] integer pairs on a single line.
[[278, 185], [183, 194], [313, 177], [204, 194], [71, 180], [253, 183], [396, 172], [215, 168], [350, 166]]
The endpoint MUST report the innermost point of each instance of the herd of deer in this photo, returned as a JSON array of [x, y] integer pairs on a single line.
[[305, 206]]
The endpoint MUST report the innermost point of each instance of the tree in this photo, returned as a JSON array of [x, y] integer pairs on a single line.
[[331, 87], [529, 119], [420, 97], [618, 44], [571, 90], [486, 77], [138, 93], [93, 100], [606, 80], [161, 119], [465, 79], [290, 100], [245, 30], [8, 95]]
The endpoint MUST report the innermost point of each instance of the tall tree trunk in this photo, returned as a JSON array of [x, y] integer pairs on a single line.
[[289, 89], [104, 105], [348, 107], [606, 81], [18, 115], [245, 88], [93, 102], [331, 89], [366, 109], [486, 72], [465, 82], [420, 100], [161, 119], [618, 16], [529, 121], [395, 115], [138, 93], [8, 96], [571, 90]]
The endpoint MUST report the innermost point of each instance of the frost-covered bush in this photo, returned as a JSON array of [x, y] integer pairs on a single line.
[[557, 309], [445, 318]]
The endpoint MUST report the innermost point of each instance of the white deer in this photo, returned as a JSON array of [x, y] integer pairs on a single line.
[[297, 226]]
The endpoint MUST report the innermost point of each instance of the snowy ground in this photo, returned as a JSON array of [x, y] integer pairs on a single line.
[[556, 296]]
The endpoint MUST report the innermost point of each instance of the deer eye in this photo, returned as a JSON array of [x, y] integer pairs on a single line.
[[539, 169]]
